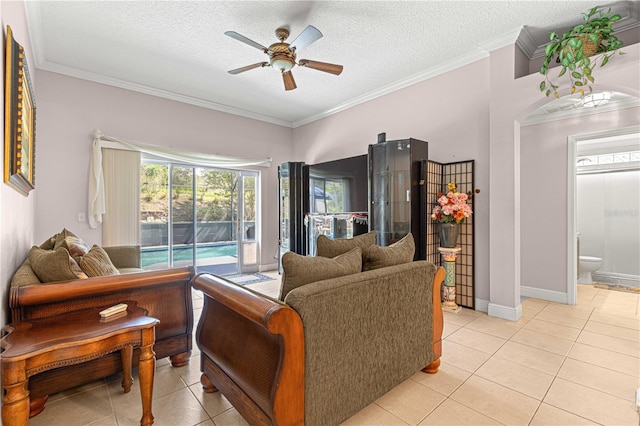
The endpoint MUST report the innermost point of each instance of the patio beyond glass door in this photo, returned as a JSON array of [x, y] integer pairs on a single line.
[[247, 224], [198, 216]]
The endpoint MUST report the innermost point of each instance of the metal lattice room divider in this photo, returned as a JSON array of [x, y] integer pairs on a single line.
[[439, 175]]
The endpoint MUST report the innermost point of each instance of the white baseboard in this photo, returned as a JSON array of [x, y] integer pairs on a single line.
[[505, 312], [540, 293], [268, 267], [617, 279], [482, 305]]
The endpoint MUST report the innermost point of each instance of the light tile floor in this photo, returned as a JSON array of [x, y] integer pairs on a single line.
[[558, 365]]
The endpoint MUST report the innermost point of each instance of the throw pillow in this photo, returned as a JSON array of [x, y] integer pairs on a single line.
[[54, 265], [97, 263], [298, 270], [49, 243], [401, 251], [326, 247], [76, 247]]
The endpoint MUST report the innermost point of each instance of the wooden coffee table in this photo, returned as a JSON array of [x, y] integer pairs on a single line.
[[31, 347]]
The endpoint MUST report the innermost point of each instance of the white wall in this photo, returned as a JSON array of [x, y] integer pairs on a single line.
[[512, 100], [469, 113], [450, 111], [17, 212], [608, 219], [474, 113], [69, 109], [544, 194]]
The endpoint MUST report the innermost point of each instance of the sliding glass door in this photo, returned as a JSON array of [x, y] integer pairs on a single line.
[[198, 216], [247, 223]]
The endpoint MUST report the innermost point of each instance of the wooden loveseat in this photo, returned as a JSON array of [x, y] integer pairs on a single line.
[[165, 294], [333, 345]]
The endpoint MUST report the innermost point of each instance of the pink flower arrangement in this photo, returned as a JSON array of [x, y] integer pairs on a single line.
[[451, 207]]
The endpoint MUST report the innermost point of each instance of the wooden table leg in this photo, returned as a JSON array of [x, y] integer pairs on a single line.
[[15, 402], [146, 370], [126, 354]]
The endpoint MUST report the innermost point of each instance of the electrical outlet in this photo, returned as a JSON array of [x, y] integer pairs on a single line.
[[82, 217]]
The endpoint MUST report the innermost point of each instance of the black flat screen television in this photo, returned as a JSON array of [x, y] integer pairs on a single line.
[[339, 186]]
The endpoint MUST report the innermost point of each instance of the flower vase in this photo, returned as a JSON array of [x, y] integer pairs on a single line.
[[449, 234]]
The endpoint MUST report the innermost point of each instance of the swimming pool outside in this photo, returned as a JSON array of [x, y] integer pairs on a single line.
[[160, 254]]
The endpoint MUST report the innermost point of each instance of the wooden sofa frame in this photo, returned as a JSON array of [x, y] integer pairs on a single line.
[[275, 331], [165, 294]]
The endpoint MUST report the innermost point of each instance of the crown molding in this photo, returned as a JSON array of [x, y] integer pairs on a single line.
[[140, 88], [416, 78], [481, 52], [581, 112], [401, 84], [628, 24], [504, 40], [527, 43], [34, 22]]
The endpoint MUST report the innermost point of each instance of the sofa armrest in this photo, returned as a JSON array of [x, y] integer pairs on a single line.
[[438, 316], [124, 256], [253, 351], [44, 300]]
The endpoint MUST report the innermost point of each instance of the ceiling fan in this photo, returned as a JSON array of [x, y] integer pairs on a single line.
[[282, 55]]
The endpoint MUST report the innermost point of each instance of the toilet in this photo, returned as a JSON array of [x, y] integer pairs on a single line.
[[587, 265]]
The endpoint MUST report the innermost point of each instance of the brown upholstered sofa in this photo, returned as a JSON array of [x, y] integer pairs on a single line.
[[165, 294], [330, 349]]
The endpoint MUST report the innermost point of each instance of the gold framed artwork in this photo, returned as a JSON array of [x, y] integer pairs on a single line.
[[19, 119]]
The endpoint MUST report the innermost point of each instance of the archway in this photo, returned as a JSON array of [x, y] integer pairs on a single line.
[[546, 143]]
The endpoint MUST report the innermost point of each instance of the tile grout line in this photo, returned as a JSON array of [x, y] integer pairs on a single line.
[[555, 375], [113, 408], [384, 409], [506, 387], [473, 373], [559, 369], [201, 403], [595, 365]]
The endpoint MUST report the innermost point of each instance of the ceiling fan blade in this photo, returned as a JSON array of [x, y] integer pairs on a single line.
[[243, 39], [306, 37], [289, 82], [321, 66], [249, 67]]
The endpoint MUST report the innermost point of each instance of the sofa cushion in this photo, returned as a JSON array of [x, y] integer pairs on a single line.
[[298, 270], [401, 251], [125, 258], [70, 241], [49, 243], [54, 265], [96, 263], [24, 275], [326, 247]]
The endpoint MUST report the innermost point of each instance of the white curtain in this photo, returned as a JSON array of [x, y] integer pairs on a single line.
[[121, 221], [97, 200]]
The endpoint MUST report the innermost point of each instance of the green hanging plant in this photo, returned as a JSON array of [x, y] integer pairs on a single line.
[[576, 47]]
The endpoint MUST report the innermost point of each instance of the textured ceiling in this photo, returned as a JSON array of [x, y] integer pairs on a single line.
[[178, 50]]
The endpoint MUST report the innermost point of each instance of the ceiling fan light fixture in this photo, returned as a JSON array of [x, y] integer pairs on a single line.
[[593, 100], [282, 63], [282, 55]]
